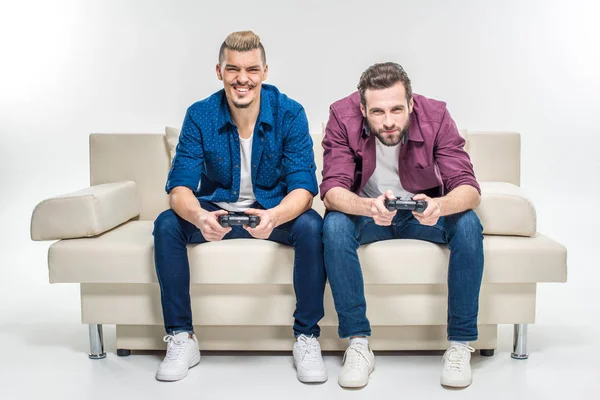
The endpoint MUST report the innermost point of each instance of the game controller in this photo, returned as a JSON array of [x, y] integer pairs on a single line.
[[238, 219], [398, 204]]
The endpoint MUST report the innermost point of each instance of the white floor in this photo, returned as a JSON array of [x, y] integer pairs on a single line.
[[44, 349], [38, 359]]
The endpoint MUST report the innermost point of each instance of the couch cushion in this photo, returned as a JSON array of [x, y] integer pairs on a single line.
[[87, 212], [172, 138], [505, 209], [125, 255]]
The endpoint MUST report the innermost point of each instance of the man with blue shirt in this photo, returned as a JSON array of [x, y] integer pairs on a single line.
[[246, 148]]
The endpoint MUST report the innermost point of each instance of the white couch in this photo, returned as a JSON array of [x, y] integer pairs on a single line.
[[242, 294]]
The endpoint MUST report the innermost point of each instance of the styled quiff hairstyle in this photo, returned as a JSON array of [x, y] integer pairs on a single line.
[[242, 41]]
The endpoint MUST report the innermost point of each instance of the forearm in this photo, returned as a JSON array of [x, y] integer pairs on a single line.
[[461, 198], [343, 200], [183, 201], [293, 204]]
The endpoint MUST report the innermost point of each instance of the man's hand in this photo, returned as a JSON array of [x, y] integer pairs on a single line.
[[432, 213], [209, 225], [268, 222], [379, 212]]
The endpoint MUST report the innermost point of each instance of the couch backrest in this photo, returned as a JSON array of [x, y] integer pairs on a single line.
[[144, 158]]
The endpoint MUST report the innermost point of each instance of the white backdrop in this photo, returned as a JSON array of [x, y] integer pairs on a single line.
[[72, 67], [69, 68]]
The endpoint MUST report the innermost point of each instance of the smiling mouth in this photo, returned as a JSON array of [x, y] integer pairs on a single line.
[[242, 90]]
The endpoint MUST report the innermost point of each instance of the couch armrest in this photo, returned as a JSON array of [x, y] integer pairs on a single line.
[[85, 213], [506, 210]]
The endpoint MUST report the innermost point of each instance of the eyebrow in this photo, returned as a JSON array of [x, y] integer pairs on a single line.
[[235, 66], [400, 106]]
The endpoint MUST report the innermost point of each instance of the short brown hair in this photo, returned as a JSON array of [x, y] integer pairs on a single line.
[[383, 76], [242, 41]]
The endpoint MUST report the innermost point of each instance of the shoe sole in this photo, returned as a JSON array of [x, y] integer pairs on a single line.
[[308, 378], [356, 385], [312, 379], [457, 385], [172, 378]]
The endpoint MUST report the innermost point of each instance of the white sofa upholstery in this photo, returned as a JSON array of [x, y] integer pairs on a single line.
[[242, 294]]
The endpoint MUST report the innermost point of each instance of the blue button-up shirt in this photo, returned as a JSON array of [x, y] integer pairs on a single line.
[[207, 159]]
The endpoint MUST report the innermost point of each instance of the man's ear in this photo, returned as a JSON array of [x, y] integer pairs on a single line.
[[266, 72], [362, 110], [411, 104], [219, 72]]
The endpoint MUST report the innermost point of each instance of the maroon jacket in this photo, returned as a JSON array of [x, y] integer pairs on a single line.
[[432, 161]]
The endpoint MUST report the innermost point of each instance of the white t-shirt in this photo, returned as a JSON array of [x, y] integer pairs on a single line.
[[386, 175], [246, 196]]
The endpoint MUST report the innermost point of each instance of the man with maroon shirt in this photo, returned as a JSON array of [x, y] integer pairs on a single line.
[[383, 142]]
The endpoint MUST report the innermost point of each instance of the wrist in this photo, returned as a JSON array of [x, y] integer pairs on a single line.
[[275, 214], [367, 205], [199, 213], [440, 203]]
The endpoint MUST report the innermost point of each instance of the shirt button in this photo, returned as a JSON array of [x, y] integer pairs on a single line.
[[269, 156], [254, 165], [235, 192], [237, 166], [262, 139], [220, 158]]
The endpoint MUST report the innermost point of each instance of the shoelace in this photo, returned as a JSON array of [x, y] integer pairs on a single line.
[[353, 357], [310, 348], [456, 356], [175, 348]]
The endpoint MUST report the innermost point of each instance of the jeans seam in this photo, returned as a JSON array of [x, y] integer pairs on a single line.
[[462, 338], [442, 230], [362, 228], [364, 333]]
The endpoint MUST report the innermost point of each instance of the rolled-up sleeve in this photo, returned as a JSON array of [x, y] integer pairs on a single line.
[[298, 156], [338, 160], [188, 163], [453, 161]]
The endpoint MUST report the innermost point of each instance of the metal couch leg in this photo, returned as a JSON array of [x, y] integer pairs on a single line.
[[96, 342], [520, 342]]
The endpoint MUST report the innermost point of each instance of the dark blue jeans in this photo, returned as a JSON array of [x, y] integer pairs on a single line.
[[343, 234], [172, 233]]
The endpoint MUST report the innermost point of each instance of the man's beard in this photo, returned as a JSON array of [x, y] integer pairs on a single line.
[[238, 105], [251, 86], [382, 136]]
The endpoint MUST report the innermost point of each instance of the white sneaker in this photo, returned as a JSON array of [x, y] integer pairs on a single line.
[[182, 354], [457, 366], [308, 361], [359, 362]]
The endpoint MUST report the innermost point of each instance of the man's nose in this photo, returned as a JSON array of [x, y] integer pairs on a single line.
[[388, 122], [242, 77]]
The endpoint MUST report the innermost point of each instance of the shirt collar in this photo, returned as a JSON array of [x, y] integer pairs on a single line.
[[265, 115]]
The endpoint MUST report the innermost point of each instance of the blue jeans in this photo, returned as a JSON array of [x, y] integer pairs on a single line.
[[343, 234], [172, 233]]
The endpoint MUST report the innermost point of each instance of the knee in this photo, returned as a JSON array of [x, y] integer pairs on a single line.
[[469, 227], [336, 226], [309, 224], [166, 223]]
